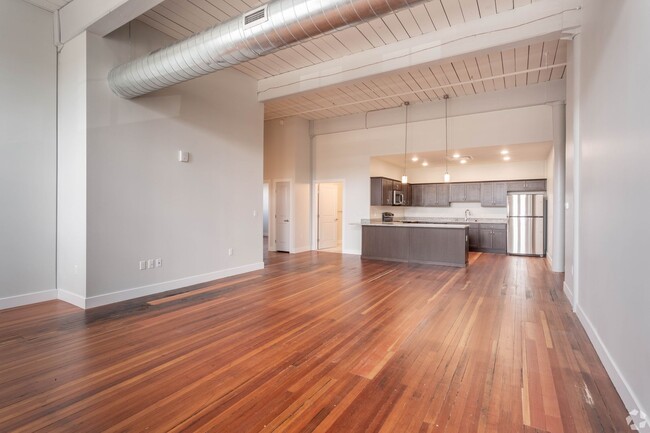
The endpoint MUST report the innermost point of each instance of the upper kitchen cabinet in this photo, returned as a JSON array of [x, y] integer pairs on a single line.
[[429, 195], [527, 185], [381, 191], [465, 192], [494, 194]]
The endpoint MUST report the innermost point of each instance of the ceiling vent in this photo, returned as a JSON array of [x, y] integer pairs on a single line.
[[256, 16]]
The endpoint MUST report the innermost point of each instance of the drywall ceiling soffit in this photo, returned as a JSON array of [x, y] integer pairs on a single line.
[[49, 5], [523, 152], [98, 16]]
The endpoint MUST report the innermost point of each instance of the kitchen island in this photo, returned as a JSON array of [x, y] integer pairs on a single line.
[[436, 244]]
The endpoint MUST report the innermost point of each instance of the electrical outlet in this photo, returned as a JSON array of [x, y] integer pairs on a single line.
[[230, 252], [158, 262], [143, 265], [150, 263]]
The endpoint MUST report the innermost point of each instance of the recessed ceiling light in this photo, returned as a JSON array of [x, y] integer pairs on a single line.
[[456, 155], [463, 161], [424, 163], [504, 152], [506, 158], [414, 159]]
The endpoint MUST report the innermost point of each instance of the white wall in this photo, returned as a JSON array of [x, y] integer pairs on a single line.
[[287, 156], [71, 220], [347, 155], [28, 162], [143, 203], [614, 178]]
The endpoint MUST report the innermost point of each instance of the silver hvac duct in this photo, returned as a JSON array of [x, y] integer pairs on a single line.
[[261, 31]]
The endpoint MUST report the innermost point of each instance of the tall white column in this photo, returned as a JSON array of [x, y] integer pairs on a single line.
[[559, 176]]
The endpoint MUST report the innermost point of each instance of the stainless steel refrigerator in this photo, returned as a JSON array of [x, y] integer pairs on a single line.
[[527, 224]]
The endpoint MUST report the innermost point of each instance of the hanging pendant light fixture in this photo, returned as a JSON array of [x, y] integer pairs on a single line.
[[405, 178], [447, 177]]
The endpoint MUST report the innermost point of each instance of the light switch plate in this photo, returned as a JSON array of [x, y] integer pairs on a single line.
[[183, 156]]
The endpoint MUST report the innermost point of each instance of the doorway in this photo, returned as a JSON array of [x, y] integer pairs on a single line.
[[330, 217], [282, 216]]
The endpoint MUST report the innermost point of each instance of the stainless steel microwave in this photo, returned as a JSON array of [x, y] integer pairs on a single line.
[[398, 198]]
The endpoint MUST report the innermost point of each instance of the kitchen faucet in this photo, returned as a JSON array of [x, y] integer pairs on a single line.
[[467, 214]]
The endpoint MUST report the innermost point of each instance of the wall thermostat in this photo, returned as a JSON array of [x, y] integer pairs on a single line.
[[183, 156]]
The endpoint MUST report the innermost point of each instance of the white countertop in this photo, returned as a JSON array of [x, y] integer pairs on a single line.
[[401, 224]]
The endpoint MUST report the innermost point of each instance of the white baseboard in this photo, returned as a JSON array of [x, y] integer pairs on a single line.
[[568, 292], [355, 252], [72, 298], [137, 292], [27, 298], [301, 250], [630, 399], [549, 260]]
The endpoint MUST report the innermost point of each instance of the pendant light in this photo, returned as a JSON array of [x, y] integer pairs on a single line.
[[447, 177], [405, 178]]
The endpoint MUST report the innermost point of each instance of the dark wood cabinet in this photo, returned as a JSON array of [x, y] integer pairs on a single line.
[[492, 238], [527, 185], [489, 194], [424, 245], [381, 191], [474, 237], [429, 195], [464, 192], [494, 194], [417, 195], [385, 243]]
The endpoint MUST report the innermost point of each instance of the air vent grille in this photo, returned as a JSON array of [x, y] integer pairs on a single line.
[[255, 17]]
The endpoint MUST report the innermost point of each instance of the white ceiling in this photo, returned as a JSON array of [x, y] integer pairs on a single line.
[[49, 5], [182, 18], [391, 90], [479, 155]]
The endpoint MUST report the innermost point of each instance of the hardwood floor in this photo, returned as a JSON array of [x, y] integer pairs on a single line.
[[315, 342]]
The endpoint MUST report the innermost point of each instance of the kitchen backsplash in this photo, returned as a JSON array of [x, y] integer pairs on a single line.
[[456, 210]]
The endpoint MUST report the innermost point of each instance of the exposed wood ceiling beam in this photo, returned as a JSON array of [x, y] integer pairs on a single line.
[[535, 22]]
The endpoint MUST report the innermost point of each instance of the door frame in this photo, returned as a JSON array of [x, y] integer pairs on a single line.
[[272, 207], [314, 212]]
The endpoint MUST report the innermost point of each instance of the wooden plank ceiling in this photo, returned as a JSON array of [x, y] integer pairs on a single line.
[[182, 18], [413, 84]]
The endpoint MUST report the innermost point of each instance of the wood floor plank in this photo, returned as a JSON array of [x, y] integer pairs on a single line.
[[315, 342]]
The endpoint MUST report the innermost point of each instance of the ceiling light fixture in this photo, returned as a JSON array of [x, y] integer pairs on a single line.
[[456, 155], [415, 159], [504, 152], [506, 158], [405, 178], [463, 161], [446, 177], [424, 163]]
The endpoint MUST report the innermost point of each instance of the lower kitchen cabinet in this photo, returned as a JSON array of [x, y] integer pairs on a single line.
[[474, 237], [492, 238]]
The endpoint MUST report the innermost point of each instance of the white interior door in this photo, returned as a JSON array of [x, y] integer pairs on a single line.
[[282, 212], [327, 215]]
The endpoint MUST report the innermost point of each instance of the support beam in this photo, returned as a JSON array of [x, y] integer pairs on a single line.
[[99, 16], [559, 176], [536, 22]]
